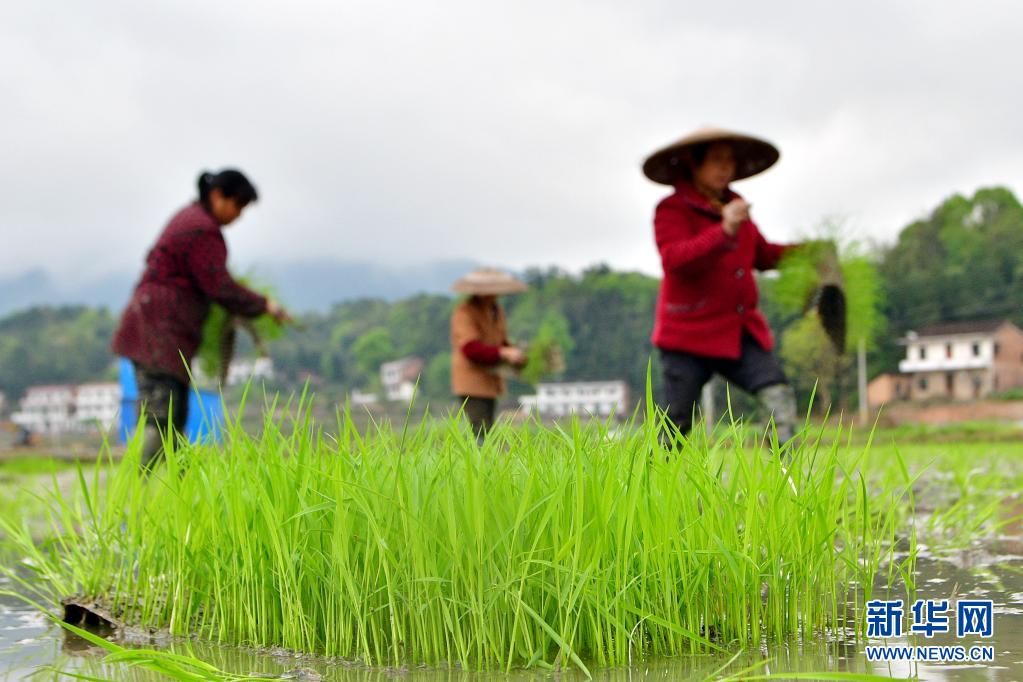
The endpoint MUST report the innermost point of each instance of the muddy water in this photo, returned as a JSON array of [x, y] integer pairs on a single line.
[[32, 648], [992, 570]]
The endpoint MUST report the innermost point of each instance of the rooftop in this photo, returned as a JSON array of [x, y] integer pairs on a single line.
[[960, 327]]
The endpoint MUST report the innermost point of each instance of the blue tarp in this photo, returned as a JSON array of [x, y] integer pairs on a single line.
[[205, 409]]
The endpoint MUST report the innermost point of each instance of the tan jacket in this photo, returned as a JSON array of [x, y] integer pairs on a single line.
[[474, 322]]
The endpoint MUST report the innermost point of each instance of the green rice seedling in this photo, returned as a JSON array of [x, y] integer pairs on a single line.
[[800, 278], [166, 663], [576, 545], [966, 490], [547, 349], [218, 335], [170, 665]]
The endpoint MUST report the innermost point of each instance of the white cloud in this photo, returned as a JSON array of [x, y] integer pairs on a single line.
[[508, 132]]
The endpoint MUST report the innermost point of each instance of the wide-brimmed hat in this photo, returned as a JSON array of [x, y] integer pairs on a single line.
[[752, 155], [488, 282]]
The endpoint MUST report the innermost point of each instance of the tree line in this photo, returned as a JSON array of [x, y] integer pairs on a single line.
[[962, 261]]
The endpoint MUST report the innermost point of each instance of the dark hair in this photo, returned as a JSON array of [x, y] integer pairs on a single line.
[[698, 154], [231, 183], [690, 159]]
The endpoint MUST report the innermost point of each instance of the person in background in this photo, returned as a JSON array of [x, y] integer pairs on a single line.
[[161, 328], [707, 319], [479, 345]]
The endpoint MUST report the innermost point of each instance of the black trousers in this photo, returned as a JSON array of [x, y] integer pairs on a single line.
[[685, 375], [480, 412], [165, 401]]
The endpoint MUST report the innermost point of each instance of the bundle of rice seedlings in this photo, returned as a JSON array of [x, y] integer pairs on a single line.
[[843, 291], [545, 355], [220, 332], [408, 546]]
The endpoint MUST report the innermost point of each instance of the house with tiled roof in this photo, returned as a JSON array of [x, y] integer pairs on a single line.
[[967, 360]]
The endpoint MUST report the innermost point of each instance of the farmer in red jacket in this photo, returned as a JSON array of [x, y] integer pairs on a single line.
[[707, 320], [186, 269]]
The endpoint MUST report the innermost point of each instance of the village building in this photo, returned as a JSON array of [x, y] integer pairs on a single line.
[[47, 409], [399, 378], [239, 371], [887, 388], [954, 361], [584, 398], [243, 370], [362, 398], [66, 408], [98, 404]]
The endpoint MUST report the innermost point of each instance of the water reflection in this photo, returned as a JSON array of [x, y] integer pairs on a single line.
[[28, 643]]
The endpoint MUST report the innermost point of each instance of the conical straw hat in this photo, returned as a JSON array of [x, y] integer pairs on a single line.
[[752, 155], [488, 282]]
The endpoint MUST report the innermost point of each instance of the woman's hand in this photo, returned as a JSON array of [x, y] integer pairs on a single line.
[[734, 214], [513, 356], [276, 311]]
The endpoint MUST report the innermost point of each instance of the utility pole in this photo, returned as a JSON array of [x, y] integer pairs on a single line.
[[861, 378]]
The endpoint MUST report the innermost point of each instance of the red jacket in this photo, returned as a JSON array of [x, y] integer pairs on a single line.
[[185, 270], [708, 296]]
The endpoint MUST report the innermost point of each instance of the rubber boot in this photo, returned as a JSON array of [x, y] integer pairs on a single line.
[[779, 401]]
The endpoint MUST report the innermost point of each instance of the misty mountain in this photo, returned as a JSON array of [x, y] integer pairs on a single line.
[[317, 285], [302, 285]]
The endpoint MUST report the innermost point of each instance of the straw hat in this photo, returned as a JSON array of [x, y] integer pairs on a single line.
[[752, 155], [488, 282]]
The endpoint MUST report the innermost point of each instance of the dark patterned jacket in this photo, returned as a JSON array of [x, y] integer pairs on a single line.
[[185, 270]]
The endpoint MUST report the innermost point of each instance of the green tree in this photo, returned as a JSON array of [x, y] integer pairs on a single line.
[[42, 345], [810, 360], [436, 381], [964, 261], [371, 350]]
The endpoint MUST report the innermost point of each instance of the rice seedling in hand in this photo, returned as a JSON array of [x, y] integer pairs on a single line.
[[545, 352], [840, 285], [219, 334]]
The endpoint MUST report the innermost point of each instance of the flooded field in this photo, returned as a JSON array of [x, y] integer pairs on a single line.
[[956, 560], [30, 646]]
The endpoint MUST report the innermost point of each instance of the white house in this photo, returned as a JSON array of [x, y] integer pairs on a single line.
[[66, 408], [47, 409], [955, 360], [399, 378], [362, 398], [590, 398], [98, 404], [242, 370]]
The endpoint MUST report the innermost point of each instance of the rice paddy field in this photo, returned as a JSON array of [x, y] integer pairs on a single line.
[[580, 551]]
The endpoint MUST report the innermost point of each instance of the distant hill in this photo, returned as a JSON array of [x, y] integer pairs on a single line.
[[26, 289], [305, 286], [317, 285], [961, 262]]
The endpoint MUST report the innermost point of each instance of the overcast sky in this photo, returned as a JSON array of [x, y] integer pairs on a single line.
[[505, 132]]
